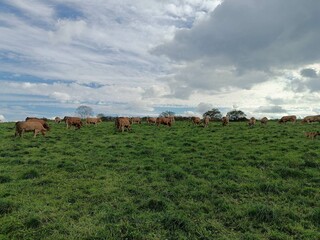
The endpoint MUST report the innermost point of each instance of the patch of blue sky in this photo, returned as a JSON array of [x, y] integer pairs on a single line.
[[13, 77], [68, 12], [9, 9]]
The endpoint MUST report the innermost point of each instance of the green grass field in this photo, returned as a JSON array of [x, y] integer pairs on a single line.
[[184, 182]]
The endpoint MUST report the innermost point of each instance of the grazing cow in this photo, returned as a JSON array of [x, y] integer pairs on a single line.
[[225, 121], [94, 121], [40, 120], [264, 120], [196, 120], [135, 120], [57, 120], [122, 123], [251, 122], [29, 126], [73, 121], [312, 135], [151, 120], [285, 119], [206, 121], [310, 119], [165, 121]]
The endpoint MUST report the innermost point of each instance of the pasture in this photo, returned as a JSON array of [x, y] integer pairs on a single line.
[[184, 182]]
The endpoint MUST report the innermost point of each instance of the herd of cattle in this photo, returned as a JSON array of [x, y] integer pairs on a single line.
[[40, 125]]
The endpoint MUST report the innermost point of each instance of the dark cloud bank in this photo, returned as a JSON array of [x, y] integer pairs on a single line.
[[243, 43]]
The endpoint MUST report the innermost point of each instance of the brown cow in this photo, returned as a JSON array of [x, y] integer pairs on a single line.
[[135, 120], [206, 121], [251, 122], [310, 119], [40, 120], [29, 126], [57, 120], [165, 121], [73, 121], [122, 123], [195, 120], [94, 121], [285, 119], [225, 121], [264, 120], [151, 120]]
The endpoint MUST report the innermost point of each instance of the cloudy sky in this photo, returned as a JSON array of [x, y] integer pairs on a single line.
[[142, 57]]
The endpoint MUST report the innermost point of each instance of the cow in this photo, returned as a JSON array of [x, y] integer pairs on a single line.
[[310, 119], [312, 135], [29, 126], [251, 122], [285, 119], [73, 121], [195, 120], [264, 120], [206, 121], [225, 121], [57, 120], [94, 121], [135, 120], [151, 120], [40, 120], [122, 123], [165, 121]]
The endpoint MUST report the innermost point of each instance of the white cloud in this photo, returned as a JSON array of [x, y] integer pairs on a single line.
[[2, 118]]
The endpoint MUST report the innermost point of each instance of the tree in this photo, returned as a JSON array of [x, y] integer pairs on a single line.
[[84, 111], [214, 114], [100, 115], [166, 114], [236, 115]]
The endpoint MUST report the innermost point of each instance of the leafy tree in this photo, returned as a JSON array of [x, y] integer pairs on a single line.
[[166, 114], [214, 114], [84, 111], [236, 115]]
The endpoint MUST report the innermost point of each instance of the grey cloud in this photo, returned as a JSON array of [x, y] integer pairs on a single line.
[[203, 107], [309, 73], [270, 109], [252, 34], [276, 101], [251, 37]]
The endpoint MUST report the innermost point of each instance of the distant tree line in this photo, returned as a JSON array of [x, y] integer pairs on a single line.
[[214, 114]]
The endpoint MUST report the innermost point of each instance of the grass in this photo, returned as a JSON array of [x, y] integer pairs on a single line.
[[184, 182]]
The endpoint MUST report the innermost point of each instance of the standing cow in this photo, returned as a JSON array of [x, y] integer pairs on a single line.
[[151, 120], [251, 122], [195, 120], [29, 126], [94, 121], [122, 123], [135, 120], [73, 121], [165, 121], [225, 121], [206, 121], [285, 119], [264, 121]]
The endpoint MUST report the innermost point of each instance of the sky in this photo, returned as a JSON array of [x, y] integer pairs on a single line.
[[143, 57]]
